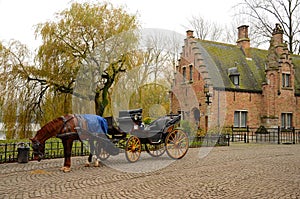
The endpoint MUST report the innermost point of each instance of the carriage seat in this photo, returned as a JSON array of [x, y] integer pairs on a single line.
[[128, 118], [160, 124], [131, 112], [157, 125]]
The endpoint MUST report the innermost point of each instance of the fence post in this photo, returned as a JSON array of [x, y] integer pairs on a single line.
[[232, 136], [81, 148], [278, 142], [5, 152], [294, 140], [14, 151]]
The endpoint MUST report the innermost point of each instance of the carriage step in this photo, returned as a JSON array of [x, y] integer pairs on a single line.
[[157, 142]]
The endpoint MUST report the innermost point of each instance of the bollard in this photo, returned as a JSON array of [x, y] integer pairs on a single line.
[[23, 152]]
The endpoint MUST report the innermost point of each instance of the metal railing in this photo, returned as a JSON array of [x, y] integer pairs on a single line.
[[265, 135], [53, 149]]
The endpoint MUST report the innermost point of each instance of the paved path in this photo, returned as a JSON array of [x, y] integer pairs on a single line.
[[238, 171]]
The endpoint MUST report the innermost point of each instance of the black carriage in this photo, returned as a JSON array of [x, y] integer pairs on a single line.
[[129, 132]]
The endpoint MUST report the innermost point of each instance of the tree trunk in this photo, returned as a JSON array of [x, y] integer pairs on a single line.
[[101, 101]]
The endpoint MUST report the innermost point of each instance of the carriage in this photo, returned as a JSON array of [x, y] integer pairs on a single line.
[[107, 136], [130, 134]]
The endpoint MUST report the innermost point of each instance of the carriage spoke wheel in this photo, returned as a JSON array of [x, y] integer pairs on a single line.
[[155, 150], [101, 152], [103, 155], [133, 149], [177, 144]]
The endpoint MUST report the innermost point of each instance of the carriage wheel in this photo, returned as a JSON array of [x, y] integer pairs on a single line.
[[177, 144], [133, 149], [103, 155], [155, 150]]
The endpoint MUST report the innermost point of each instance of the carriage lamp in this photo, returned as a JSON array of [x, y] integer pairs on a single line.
[[207, 94]]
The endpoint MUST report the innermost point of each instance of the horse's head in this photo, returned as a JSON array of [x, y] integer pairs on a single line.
[[38, 149]]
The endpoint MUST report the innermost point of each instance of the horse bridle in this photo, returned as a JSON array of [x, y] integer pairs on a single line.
[[36, 145], [36, 149]]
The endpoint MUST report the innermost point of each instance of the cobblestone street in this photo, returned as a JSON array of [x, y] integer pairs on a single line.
[[237, 171]]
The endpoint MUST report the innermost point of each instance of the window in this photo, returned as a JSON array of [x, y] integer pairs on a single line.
[[286, 80], [191, 72], [235, 79], [286, 120], [184, 74], [240, 119], [234, 75]]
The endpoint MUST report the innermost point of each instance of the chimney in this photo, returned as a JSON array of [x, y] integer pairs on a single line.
[[243, 41], [277, 35], [189, 34], [277, 40]]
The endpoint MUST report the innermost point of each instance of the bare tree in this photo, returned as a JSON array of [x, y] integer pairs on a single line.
[[204, 29], [264, 14]]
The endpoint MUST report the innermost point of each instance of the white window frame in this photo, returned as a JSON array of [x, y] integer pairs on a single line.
[[286, 120], [286, 82], [240, 118]]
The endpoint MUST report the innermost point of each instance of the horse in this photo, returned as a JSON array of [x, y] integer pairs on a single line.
[[69, 128]]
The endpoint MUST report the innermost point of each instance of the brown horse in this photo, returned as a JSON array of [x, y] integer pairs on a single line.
[[68, 128]]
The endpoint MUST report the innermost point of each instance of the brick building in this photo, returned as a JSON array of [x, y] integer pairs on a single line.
[[219, 84]]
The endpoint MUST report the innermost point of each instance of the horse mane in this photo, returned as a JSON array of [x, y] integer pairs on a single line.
[[50, 129]]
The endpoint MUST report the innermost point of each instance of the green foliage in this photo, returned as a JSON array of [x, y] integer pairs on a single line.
[[153, 98], [38, 88], [147, 120], [189, 128]]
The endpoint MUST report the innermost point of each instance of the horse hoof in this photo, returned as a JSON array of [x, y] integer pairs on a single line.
[[63, 168], [87, 164], [67, 169], [97, 164]]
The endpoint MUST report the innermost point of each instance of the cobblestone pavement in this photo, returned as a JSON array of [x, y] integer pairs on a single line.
[[237, 171]]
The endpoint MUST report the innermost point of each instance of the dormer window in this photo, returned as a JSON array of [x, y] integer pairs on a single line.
[[234, 76], [235, 79], [286, 80]]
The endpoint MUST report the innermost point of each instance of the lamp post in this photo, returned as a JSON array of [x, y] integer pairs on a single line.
[[207, 94], [208, 102]]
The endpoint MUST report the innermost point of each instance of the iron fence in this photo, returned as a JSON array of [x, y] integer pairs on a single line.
[[53, 149], [266, 135]]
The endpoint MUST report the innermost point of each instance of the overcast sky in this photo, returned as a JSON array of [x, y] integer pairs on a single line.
[[18, 17]]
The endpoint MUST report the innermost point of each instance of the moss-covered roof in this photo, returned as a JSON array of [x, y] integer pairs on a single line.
[[251, 71]]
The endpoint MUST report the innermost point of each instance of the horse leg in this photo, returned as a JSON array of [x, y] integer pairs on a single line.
[[90, 158], [93, 151], [67, 143]]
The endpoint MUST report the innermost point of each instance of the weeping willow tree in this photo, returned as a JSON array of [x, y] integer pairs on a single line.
[[38, 87], [153, 98], [90, 39]]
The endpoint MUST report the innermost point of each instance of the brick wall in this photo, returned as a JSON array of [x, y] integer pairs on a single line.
[[263, 108]]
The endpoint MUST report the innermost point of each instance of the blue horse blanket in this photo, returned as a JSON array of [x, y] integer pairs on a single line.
[[95, 123]]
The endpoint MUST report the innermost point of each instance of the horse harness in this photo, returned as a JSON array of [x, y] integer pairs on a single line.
[[67, 128]]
